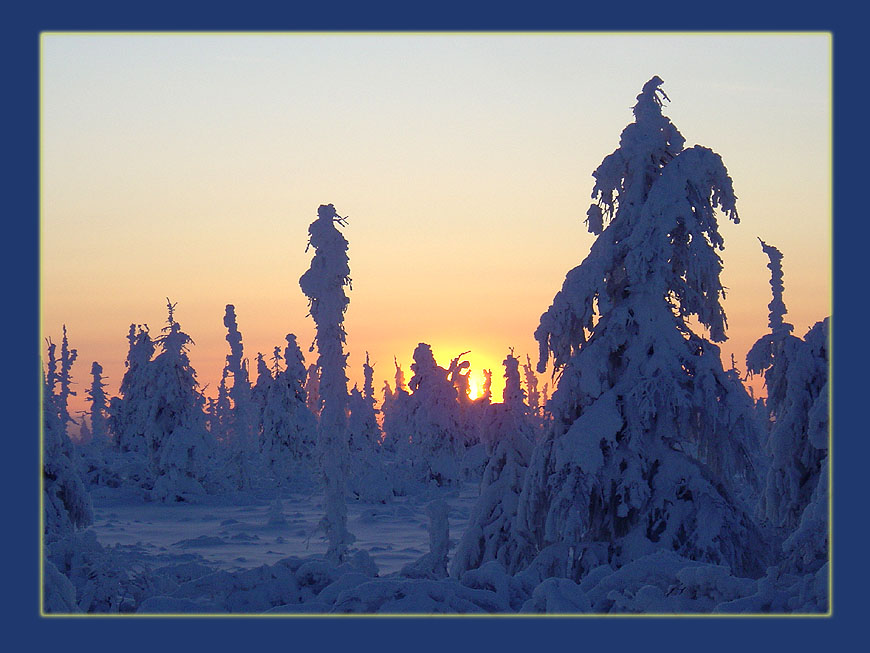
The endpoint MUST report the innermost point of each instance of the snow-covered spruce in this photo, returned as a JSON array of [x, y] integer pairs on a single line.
[[369, 479], [64, 379], [795, 497], [96, 396], [103, 463], [66, 502], [393, 411], [806, 547], [260, 388], [127, 413], [237, 412], [424, 426], [471, 416], [511, 435], [649, 432], [288, 433], [324, 284], [363, 433], [180, 447], [796, 376], [532, 393], [312, 389]]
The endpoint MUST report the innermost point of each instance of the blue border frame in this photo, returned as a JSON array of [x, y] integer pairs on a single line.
[[21, 106]]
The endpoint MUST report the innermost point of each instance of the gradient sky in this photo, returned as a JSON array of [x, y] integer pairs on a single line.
[[190, 166]]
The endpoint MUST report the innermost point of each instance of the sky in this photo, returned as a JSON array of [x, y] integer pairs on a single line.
[[189, 166]]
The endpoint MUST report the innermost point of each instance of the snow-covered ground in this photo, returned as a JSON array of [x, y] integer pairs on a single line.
[[234, 534]]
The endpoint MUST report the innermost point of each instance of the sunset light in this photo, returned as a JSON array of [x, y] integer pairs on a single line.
[[475, 384]]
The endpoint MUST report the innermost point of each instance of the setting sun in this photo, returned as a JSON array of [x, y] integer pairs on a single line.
[[475, 384]]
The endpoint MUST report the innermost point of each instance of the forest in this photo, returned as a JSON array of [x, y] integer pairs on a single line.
[[642, 478]]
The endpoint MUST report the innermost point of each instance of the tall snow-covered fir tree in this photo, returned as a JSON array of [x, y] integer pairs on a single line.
[[180, 446], [649, 432], [510, 428], [324, 285]]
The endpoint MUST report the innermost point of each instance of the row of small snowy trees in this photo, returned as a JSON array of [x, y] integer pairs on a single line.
[[163, 435], [652, 473]]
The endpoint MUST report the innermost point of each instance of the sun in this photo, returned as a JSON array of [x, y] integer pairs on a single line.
[[475, 384]]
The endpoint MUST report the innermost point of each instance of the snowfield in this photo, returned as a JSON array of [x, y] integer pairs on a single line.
[[235, 533]]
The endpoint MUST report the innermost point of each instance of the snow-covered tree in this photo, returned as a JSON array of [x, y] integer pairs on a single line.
[[806, 547], [393, 413], [289, 429], [368, 480], [368, 390], [312, 389], [794, 501], [66, 502], [239, 423], [363, 433], [511, 435], [531, 379], [796, 377], [264, 380], [648, 432], [458, 372], [84, 436], [242, 427], [432, 565], [424, 426], [67, 358], [179, 444], [324, 284], [486, 394], [96, 395], [472, 412], [400, 376], [127, 413], [222, 409]]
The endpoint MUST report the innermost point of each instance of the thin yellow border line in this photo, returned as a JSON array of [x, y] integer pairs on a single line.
[[406, 615], [41, 417], [831, 330], [700, 615], [436, 33]]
